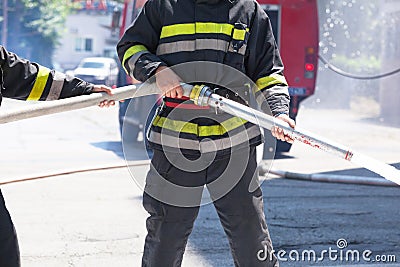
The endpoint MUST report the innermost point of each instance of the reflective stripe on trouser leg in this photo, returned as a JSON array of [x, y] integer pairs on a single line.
[[242, 213], [168, 227], [9, 251]]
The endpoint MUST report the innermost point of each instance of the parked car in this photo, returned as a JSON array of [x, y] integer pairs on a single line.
[[97, 70]]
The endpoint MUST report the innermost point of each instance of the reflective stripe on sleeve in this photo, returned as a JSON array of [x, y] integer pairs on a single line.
[[263, 95], [136, 51], [56, 86], [267, 81], [40, 83]]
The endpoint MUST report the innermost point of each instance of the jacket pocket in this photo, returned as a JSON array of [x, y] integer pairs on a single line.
[[237, 48]]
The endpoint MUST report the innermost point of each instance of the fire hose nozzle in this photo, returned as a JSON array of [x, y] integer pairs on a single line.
[[199, 94]]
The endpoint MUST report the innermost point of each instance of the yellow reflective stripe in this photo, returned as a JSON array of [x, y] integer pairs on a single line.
[[239, 34], [176, 126], [40, 83], [205, 146], [210, 27], [233, 123], [131, 51], [270, 80], [192, 128], [198, 27], [177, 29]]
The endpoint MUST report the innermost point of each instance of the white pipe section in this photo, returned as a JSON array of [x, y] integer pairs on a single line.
[[328, 178], [266, 121], [83, 101], [67, 104]]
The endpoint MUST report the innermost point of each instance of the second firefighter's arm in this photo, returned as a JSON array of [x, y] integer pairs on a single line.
[[25, 80]]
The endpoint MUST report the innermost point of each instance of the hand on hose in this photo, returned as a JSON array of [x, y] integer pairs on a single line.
[[169, 82], [279, 133], [103, 88]]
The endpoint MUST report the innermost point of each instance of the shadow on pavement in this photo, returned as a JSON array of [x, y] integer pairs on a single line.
[[136, 150]]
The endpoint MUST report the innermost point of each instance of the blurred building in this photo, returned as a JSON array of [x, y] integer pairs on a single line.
[[87, 33], [390, 86]]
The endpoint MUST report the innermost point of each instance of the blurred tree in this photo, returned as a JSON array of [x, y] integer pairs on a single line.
[[35, 26]]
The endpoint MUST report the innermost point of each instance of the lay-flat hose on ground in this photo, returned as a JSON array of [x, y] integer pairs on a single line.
[[328, 178], [344, 179]]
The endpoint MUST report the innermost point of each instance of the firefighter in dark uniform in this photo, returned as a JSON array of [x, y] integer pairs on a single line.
[[25, 80], [236, 33]]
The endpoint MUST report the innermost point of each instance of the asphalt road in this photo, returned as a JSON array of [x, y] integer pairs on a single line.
[[96, 219]]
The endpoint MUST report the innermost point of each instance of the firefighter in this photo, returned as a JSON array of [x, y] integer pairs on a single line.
[[238, 34], [25, 80]]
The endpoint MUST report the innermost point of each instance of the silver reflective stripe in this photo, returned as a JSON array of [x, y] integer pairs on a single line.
[[228, 142], [56, 86], [173, 141], [241, 50], [212, 44], [132, 61], [174, 47], [192, 45], [205, 146], [263, 95]]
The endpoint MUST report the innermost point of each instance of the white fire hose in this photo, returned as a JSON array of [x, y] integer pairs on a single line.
[[205, 96], [68, 104]]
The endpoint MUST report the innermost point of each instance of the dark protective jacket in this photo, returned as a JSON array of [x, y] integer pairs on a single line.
[[235, 33], [25, 80]]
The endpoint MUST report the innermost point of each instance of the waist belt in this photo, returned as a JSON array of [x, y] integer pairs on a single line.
[[186, 103], [230, 95], [182, 103]]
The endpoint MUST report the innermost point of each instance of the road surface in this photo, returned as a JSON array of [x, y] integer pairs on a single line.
[[96, 218]]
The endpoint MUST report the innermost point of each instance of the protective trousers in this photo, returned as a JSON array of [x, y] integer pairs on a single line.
[[9, 250], [235, 193]]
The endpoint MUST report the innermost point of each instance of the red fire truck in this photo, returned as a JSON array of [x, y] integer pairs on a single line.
[[295, 26]]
